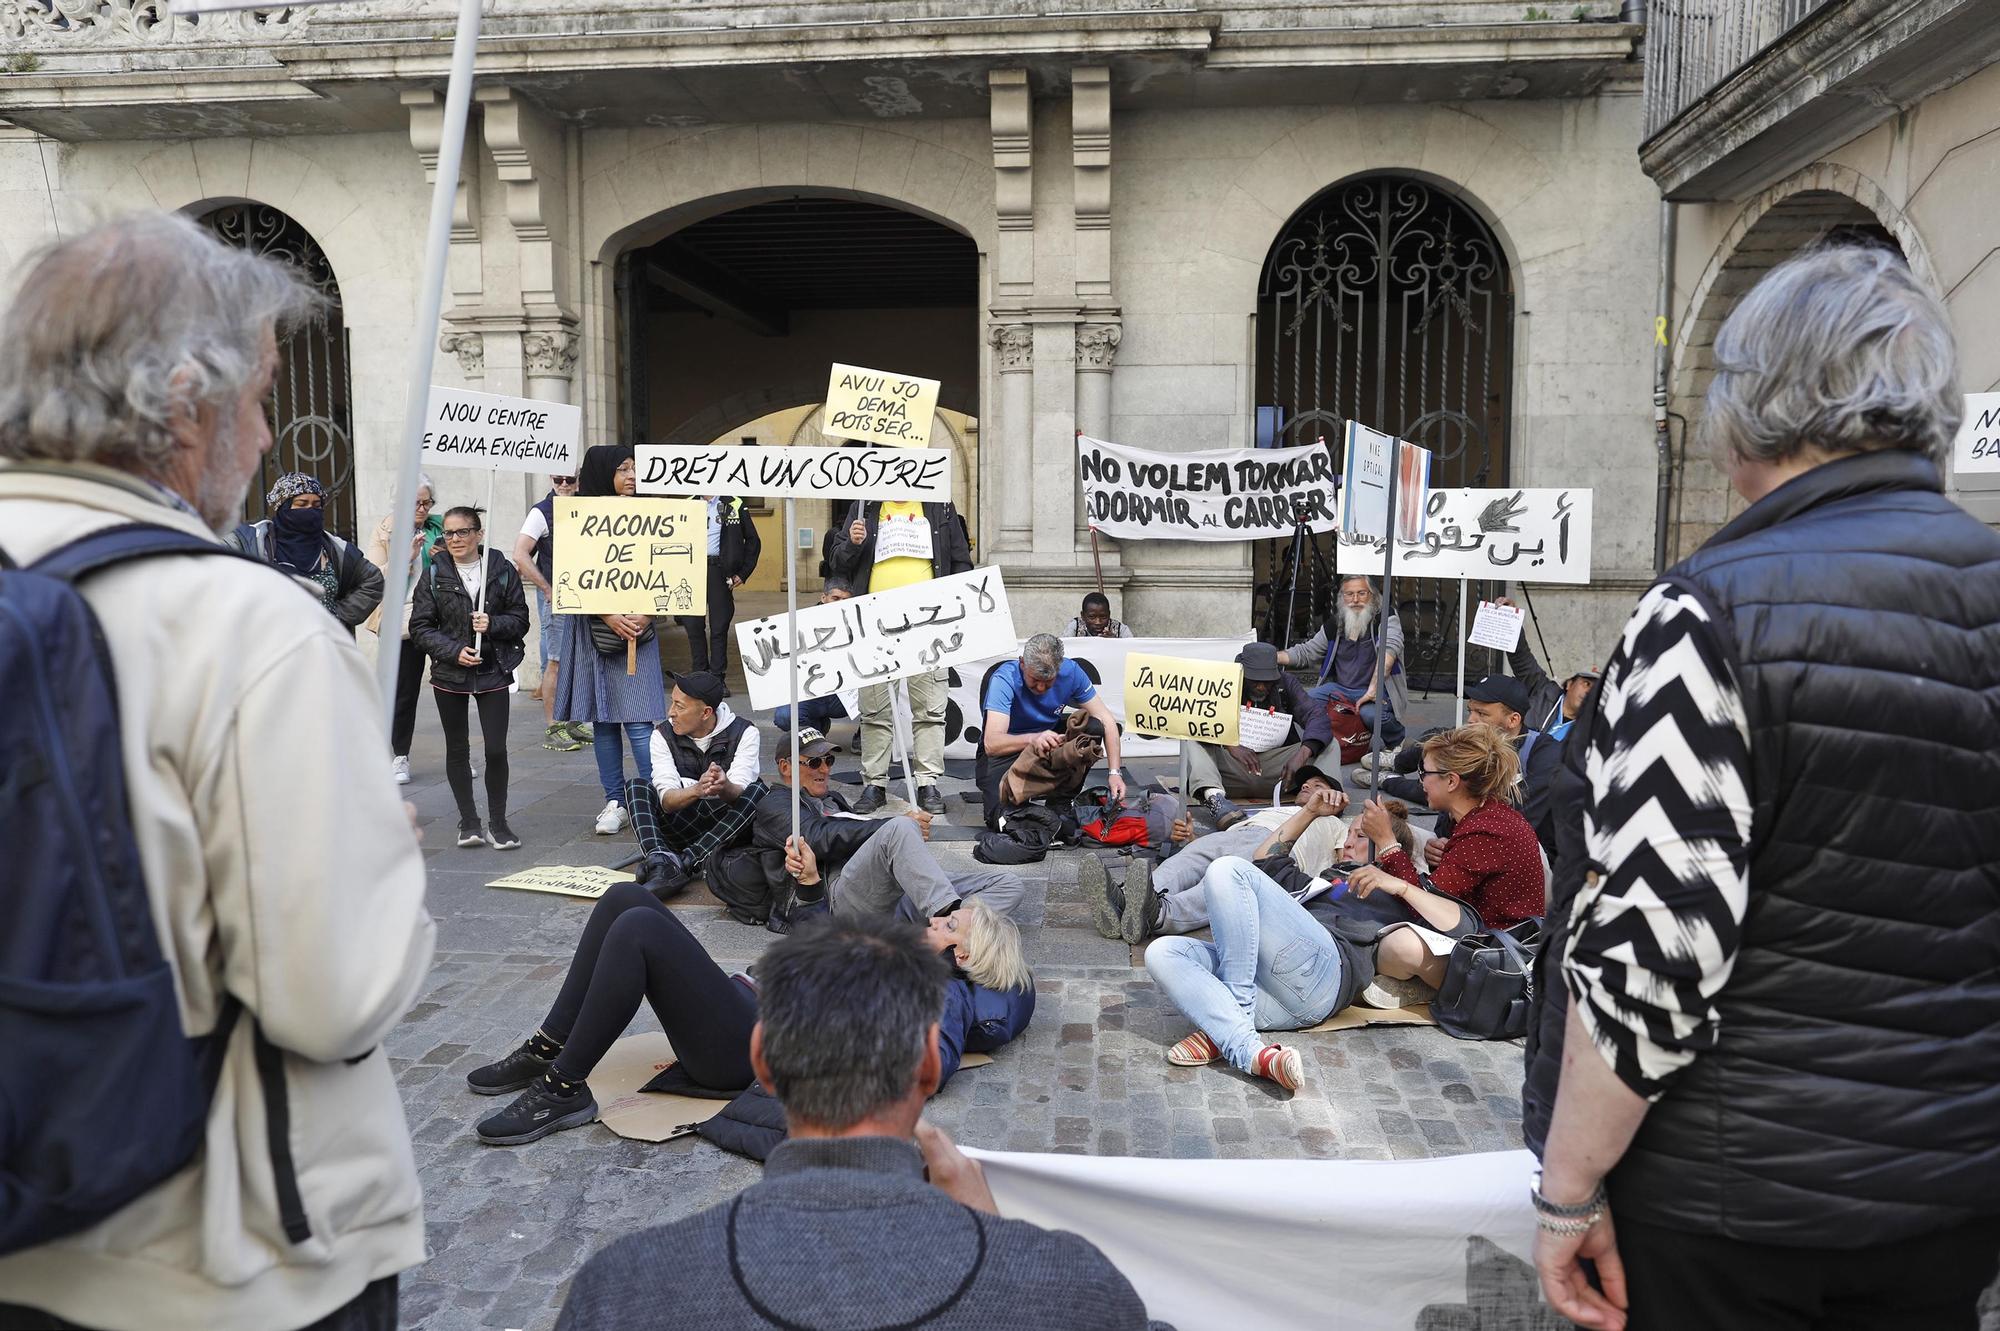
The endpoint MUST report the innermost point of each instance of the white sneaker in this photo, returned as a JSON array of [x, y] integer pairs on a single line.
[[612, 820], [400, 769], [1384, 992]]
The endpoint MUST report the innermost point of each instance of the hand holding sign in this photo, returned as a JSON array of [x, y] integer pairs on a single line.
[[1497, 626], [879, 407], [1182, 698]]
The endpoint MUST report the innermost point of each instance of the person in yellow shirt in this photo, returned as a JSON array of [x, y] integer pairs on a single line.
[[893, 544]]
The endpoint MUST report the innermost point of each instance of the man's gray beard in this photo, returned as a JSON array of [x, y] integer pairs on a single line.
[[1355, 624]]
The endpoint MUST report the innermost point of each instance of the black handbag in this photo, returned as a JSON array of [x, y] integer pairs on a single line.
[[1489, 984], [606, 640]]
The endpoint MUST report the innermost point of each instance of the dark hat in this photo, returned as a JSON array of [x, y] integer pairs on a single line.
[[1259, 661], [704, 686], [1304, 774], [1509, 692], [812, 744]]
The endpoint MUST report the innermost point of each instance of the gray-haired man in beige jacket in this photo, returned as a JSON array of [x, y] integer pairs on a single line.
[[280, 866]]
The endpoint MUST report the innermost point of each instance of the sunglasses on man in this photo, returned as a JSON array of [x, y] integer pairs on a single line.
[[819, 764]]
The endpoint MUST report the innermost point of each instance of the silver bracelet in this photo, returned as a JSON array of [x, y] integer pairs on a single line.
[[1591, 1206], [1568, 1229]]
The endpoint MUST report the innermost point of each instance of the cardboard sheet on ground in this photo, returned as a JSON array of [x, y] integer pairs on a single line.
[[631, 557], [491, 432], [921, 475], [880, 407], [566, 880], [1354, 1017], [644, 1115], [1183, 698]]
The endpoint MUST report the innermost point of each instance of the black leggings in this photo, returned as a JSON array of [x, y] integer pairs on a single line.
[[458, 758], [632, 948], [409, 683]]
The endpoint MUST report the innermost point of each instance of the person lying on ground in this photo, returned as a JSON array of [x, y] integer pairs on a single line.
[[705, 787], [1024, 706], [1095, 621], [865, 1216], [857, 865], [1167, 898], [1552, 707], [1216, 772], [636, 950]]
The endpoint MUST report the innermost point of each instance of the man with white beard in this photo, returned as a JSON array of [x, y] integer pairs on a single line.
[[1344, 651]]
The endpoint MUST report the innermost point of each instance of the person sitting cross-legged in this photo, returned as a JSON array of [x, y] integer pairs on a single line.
[[705, 788], [1345, 653], [857, 865], [1024, 734], [865, 1216], [1218, 771]]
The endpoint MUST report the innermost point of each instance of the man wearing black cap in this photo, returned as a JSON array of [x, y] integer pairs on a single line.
[[1551, 706], [706, 785], [1500, 701], [1218, 771], [859, 865]]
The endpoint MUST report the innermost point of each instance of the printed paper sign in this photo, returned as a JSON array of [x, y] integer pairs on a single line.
[[1217, 494], [1519, 535], [1260, 731], [1364, 510], [1496, 626], [903, 537], [873, 639], [1977, 448], [1183, 699], [497, 433], [879, 407], [915, 474], [567, 880], [631, 557]]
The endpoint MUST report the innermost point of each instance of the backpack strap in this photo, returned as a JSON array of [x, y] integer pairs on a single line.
[[122, 544]]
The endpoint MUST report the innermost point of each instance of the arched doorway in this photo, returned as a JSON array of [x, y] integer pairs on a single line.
[[311, 406], [1386, 301]]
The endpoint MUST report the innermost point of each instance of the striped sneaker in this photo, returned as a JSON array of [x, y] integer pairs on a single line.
[[1275, 1062], [1196, 1051]]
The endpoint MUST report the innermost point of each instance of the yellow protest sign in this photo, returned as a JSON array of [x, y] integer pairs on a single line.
[[566, 880], [879, 407], [1183, 699], [631, 557]]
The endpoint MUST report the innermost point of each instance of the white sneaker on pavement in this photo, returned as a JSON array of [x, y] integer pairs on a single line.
[[400, 769], [612, 820]]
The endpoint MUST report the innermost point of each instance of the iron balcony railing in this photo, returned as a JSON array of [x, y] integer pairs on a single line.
[[1693, 45]]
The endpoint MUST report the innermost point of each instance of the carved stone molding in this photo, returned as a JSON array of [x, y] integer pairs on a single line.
[[1097, 345], [550, 354], [470, 348], [1013, 149], [1090, 146], [1013, 347]]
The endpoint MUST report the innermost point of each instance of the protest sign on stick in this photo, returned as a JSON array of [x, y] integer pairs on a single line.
[[1516, 535], [1218, 494], [922, 475], [1977, 447], [464, 429], [1183, 699], [879, 407], [627, 557]]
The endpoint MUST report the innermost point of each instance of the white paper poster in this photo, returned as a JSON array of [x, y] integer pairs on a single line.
[[1217, 494], [1496, 626], [902, 537], [1364, 500], [491, 432], [1517, 535], [1260, 731], [918, 474], [1977, 448]]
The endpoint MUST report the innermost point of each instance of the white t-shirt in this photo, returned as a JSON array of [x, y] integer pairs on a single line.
[[471, 575], [740, 770], [536, 527], [1318, 848]]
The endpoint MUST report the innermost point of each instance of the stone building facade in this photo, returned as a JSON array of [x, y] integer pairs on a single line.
[[1118, 198]]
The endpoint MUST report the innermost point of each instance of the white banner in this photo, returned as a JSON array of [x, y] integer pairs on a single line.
[[1517, 535], [1977, 448], [916, 474], [496, 433], [1297, 1245], [1217, 494], [874, 639]]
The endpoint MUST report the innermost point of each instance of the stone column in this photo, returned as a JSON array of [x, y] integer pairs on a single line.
[[548, 360], [1096, 345], [1055, 442], [1013, 362]]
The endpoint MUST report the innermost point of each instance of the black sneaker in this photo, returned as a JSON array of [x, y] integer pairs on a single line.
[[471, 834], [1107, 903], [541, 1110], [510, 1074], [1227, 815], [872, 798], [1139, 913], [501, 837], [930, 800], [665, 874]]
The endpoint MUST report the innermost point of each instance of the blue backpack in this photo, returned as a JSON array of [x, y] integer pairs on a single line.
[[112, 1096]]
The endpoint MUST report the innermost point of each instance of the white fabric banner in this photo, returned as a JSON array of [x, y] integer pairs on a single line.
[[1517, 535], [1217, 494], [1297, 1245]]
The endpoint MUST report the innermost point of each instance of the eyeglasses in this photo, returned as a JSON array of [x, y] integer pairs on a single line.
[[1431, 771], [819, 764], [426, 503], [452, 532], [562, 480]]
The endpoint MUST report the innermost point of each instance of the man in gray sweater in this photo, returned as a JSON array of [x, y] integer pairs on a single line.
[[844, 1230]]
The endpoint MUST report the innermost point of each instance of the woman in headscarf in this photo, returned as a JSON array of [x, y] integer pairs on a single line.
[[594, 687], [295, 539], [426, 529]]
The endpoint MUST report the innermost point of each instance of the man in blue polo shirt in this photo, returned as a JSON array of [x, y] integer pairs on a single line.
[[1024, 703]]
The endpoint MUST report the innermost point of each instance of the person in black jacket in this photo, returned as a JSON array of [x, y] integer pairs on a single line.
[[444, 621], [295, 540], [733, 548], [1552, 706], [859, 866], [890, 545]]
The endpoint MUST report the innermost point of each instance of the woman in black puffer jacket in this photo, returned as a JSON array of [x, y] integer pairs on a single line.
[[444, 623]]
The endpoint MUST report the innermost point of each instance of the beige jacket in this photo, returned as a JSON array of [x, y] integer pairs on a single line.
[[282, 870]]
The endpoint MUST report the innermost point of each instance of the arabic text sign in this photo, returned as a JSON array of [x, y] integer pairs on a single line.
[[879, 407], [1218, 494], [1523, 535], [631, 557], [1183, 699], [919, 475], [1977, 448], [1261, 731], [873, 639], [497, 433], [1364, 510]]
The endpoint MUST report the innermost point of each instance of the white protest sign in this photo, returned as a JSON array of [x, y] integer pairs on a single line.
[[488, 431], [1260, 731], [1977, 448], [1496, 626], [879, 407], [1521, 535], [922, 475], [873, 639], [1216, 494], [1364, 501]]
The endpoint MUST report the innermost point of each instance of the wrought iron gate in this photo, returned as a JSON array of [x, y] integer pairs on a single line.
[[1386, 302], [311, 406]]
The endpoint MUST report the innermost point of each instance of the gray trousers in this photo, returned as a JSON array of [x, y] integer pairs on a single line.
[[1213, 767], [1183, 905], [895, 864]]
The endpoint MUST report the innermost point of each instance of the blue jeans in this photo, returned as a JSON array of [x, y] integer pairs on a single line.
[[815, 712], [1392, 729], [604, 742], [1272, 966]]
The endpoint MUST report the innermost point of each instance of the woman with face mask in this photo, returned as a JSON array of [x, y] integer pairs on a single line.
[[295, 540]]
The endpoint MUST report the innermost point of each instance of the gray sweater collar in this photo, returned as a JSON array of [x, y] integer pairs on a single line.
[[875, 1155]]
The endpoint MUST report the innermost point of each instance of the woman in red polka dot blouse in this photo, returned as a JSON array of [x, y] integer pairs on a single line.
[[1492, 863]]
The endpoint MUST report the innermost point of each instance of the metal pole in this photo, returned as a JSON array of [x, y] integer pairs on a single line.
[[1387, 608], [457, 96], [792, 641], [1460, 715], [903, 715], [480, 605]]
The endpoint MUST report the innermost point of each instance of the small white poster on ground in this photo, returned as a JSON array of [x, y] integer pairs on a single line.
[[875, 639], [1977, 448], [1215, 494], [496, 433], [920, 475], [1496, 626], [1516, 535], [879, 407]]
